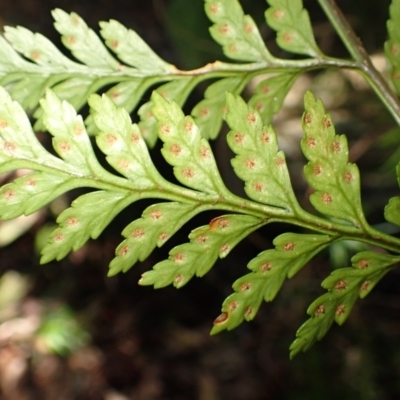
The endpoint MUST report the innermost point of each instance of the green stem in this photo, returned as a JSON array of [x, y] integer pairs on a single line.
[[360, 55]]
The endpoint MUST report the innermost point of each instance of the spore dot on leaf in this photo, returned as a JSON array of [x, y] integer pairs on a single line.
[[251, 118], [114, 44], [232, 305], [308, 118], [233, 48], [72, 221], [258, 186], [340, 285], [175, 149], [363, 264], [156, 214], [327, 123], [310, 142], [287, 38], [278, 14], [265, 137], [289, 246], [317, 170], [9, 194], [30, 182], [123, 251], [123, 164], [179, 279], [204, 112], [201, 239], [244, 287], [35, 55], [163, 237], [265, 267], [179, 257], [348, 177], [221, 319], [239, 137], [188, 173], [188, 126], [64, 147], [165, 129], [250, 163], [110, 139], [248, 28], [326, 198], [9, 147], [59, 237], [3, 124], [319, 310], [71, 40], [224, 29], [138, 233], [204, 152], [336, 146], [340, 310], [248, 312], [365, 286], [280, 162], [135, 138], [224, 248]]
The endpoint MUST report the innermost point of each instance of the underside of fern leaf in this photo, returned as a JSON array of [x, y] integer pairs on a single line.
[[39, 78]]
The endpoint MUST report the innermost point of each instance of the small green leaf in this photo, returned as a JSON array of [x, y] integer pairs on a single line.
[[132, 49], [392, 46], [258, 161], [157, 224], [185, 149], [344, 285], [207, 243], [270, 269], [176, 90], [122, 143], [70, 139], [236, 32], [392, 211], [39, 49], [270, 93], [208, 113], [83, 42], [292, 22], [87, 217], [31, 192], [336, 182]]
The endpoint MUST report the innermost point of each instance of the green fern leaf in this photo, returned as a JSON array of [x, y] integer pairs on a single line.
[[207, 243], [123, 144], [270, 269], [236, 32], [83, 42], [392, 46], [132, 50], [176, 90], [258, 161], [292, 22], [89, 215], [208, 113], [270, 93], [335, 181], [157, 224], [185, 149], [344, 285], [392, 210]]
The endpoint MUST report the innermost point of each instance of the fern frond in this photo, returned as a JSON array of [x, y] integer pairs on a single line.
[[392, 45], [270, 268], [344, 285], [292, 23]]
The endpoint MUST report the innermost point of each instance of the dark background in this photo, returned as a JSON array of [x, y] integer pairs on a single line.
[[150, 344]]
